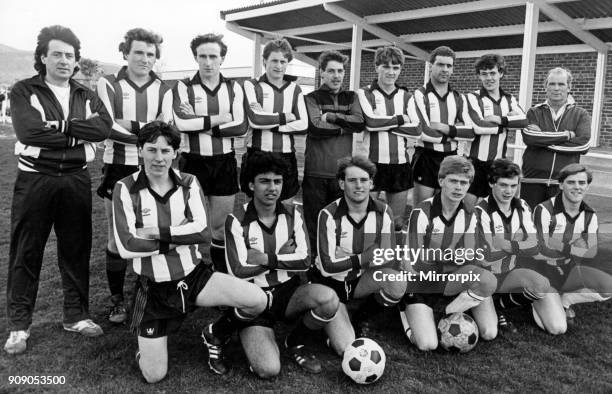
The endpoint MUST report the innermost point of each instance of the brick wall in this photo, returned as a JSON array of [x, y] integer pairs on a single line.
[[582, 66]]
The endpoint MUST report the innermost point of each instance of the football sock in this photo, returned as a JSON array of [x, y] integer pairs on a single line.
[[507, 301], [217, 255], [406, 325], [467, 299], [581, 296], [374, 305], [232, 320], [115, 272], [310, 322]]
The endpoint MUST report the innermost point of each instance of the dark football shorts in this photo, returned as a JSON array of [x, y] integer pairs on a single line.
[[393, 178], [345, 289], [291, 184], [218, 175], [480, 185], [281, 296], [111, 174], [160, 308], [426, 165]]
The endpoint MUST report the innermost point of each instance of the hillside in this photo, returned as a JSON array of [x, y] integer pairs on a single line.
[[16, 64]]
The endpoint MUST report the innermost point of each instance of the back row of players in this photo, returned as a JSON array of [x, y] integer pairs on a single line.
[[158, 216]]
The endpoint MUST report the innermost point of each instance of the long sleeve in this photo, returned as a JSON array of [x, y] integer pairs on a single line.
[[316, 126], [237, 127], [353, 121], [481, 127], [236, 251], [542, 220], [190, 124], [380, 123], [299, 260], [193, 229], [484, 237], [106, 92], [543, 138], [417, 110], [517, 121], [465, 131], [582, 141]]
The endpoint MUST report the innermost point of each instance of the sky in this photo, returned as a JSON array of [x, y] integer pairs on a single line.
[[101, 24]]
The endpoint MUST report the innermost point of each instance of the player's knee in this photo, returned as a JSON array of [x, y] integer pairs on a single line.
[[395, 289], [425, 343], [488, 333], [155, 373], [540, 286], [327, 302], [267, 371], [487, 283], [558, 327]]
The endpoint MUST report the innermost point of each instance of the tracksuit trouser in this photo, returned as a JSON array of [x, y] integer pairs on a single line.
[[40, 202], [317, 193]]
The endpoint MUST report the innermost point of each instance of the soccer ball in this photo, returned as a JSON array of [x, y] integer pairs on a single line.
[[364, 361], [458, 332]]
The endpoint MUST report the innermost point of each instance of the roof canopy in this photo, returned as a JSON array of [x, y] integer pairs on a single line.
[[418, 26]]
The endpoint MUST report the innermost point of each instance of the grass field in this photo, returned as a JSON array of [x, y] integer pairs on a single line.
[[531, 360]]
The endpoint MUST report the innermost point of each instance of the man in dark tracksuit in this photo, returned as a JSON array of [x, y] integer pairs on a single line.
[[559, 132], [57, 123], [333, 116]]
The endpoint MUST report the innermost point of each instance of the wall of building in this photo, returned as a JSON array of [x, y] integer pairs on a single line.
[[582, 66]]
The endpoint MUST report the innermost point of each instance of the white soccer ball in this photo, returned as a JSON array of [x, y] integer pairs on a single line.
[[364, 361], [458, 332]]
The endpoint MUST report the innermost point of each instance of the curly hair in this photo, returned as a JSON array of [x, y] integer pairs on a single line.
[[280, 45], [208, 38], [55, 32], [489, 61], [140, 34], [329, 56]]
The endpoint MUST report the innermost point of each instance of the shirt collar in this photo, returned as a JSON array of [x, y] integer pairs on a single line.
[[39, 80], [429, 88], [559, 207], [326, 88], [250, 214], [436, 206], [375, 86], [484, 93], [196, 80], [122, 74], [343, 208], [142, 182], [515, 203]]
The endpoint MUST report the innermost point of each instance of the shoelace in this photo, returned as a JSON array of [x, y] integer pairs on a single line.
[[180, 287]]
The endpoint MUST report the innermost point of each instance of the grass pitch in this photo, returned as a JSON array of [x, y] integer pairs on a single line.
[[531, 360]]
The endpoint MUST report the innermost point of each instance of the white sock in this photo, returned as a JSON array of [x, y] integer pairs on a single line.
[[464, 301], [406, 326], [581, 296], [537, 319]]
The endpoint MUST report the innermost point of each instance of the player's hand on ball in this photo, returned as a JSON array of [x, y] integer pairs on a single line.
[[288, 247]]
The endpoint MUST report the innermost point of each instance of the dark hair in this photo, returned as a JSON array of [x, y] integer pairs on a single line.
[[328, 56], [389, 54], [279, 45], [259, 162], [456, 165], [575, 168], [502, 168], [441, 51], [153, 130], [356, 161], [489, 61], [208, 38], [55, 32], [139, 34]]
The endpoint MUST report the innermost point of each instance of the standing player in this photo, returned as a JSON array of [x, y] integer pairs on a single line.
[[444, 120], [209, 112], [159, 224], [567, 231], [57, 122], [350, 230], [266, 244], [334, 115], [384, 107], [444, 229], [507, 235], [559, 132], [276, 111], [133, 96], [493, 113]]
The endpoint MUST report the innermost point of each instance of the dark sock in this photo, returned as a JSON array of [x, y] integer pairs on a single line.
[[115, 272], [508, 301], [231, 321], [217, 255], [297, 335], [370, 308]]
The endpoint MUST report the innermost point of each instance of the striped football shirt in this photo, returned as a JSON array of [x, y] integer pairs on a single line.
[[270, 131], [139, 104], [198, 137], [337, 229], [490, 142], [517, 228], [386, 132], [179, 215], [244, 230], [431, 235], [450, 109], [552, 221]]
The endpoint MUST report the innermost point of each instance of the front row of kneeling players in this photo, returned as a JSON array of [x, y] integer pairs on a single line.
[[159, 223]]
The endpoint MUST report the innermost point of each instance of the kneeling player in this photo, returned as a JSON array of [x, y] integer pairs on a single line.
[[438, 225], [267, 244], [507, 235], [159, 223], [349, 231], [567, 230]]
